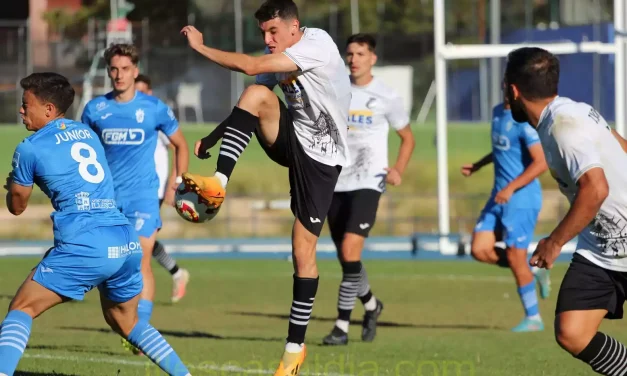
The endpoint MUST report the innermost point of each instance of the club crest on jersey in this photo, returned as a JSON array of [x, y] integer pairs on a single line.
[[139, 115], [61, 126]]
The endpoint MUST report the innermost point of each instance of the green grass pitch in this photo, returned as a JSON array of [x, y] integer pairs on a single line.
[[440, 318]]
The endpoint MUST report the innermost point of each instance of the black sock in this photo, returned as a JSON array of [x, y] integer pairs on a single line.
[[163, 258], [235, 139], [605, 355], [366, 298], [503, 262], [349, 287], [303, 295]]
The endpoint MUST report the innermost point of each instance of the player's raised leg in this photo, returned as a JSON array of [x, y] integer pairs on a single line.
[[257, 107], [30, 301]]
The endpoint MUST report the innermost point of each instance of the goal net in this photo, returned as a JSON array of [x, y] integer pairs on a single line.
[[468, 84]]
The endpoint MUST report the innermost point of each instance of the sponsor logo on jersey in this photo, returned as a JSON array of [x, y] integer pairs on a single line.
[[123, 136], [293, 90], [501, 142], [360, 117]]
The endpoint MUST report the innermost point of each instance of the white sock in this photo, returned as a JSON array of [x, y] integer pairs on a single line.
[[371, 305], [177, 274], [535, 317], [223, 179], [342, 325], [293, 347]]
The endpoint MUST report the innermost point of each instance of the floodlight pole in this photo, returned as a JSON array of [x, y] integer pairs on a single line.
[[620, 65], [441, 121], [495, 66]]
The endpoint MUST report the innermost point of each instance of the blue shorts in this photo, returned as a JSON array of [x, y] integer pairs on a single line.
[[515, 225], [144, 214], [105, 257]]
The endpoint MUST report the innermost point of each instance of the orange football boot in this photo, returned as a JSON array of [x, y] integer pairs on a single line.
[[209, 188]]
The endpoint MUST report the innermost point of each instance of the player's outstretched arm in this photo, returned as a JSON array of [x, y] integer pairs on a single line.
[[249, 65], [469, 169]]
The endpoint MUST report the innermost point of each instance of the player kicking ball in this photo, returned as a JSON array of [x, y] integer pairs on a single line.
[[511, 212], [308, 136], [374, 109], [95, 244], [166, 193], [128, 123], [587, 159]]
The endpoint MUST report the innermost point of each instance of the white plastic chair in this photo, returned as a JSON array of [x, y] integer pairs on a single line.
[[188, 96]]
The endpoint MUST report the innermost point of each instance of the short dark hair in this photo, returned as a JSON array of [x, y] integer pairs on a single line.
[[283, 9], [145, 79], [367, 39], [534, 71], [128, 50], [51, 88]]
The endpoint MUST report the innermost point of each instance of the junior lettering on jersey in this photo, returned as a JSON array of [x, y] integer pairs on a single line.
[[576, 139], [510, 150], [67, 162], [318, 96], [374, 109], [129, 133]]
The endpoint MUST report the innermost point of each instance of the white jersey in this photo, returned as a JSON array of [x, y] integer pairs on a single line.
[[162, 162], [318, 96], [374, 108], [575, 139]]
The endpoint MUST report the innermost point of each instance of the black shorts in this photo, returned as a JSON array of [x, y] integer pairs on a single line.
[[353, 212], [587, 286], [311, 182]]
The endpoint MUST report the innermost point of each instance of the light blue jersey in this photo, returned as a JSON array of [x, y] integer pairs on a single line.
[[129, 133], [94, 244], [66, 160], [516, 220], [510, 149]]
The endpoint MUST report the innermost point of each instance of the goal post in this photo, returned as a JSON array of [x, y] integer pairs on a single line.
[[447, 51]]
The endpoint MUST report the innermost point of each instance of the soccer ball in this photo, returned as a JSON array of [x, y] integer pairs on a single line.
[[191, 207]]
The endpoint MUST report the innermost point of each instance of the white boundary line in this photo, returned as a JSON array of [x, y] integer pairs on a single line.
[[136, 363]]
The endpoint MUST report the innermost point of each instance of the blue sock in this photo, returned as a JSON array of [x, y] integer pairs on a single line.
[[529, 299], [144, 310], [154, 346], [14, 333]]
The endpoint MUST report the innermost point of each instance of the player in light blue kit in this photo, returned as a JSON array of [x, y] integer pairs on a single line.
[[128, 121], [512, 210], [94, 244]]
